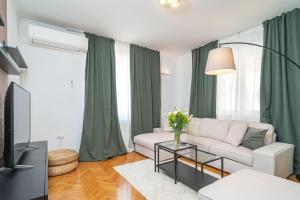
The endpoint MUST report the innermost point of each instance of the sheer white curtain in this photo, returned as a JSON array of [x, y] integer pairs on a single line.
[[122, 54], [238, 94]]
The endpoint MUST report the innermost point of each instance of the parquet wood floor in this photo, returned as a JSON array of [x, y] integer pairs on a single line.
[[98, 180], [94, 181]]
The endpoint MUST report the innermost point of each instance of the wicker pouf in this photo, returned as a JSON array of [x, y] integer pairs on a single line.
[[62, 161], [63, 169], [61, 157]]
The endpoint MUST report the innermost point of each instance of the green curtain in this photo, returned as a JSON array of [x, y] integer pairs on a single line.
[[101, 135], [280, 80], [203, 87], [145, 89]]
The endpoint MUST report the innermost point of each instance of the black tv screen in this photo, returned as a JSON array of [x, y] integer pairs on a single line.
[[17, 120]]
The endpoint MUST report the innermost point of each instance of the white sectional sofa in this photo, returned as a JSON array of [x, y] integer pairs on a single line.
[[212, 135], [248, 184]]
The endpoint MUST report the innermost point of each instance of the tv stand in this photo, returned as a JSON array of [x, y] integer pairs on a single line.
[[30, 183]]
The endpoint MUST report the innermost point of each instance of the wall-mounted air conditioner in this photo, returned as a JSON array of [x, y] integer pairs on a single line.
[[48, 36]]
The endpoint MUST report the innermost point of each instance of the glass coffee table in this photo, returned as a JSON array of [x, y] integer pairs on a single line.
[[183, 171]]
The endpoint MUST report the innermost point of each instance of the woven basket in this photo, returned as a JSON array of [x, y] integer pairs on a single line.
[[63, 169], [61, 157]]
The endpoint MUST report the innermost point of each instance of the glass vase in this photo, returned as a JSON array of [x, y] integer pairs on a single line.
[[177, 134]]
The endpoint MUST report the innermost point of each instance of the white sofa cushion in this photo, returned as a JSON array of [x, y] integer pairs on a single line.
[[249, 184], [270, 133], [203, 143], [236, 133], [163, 155], [239, 154], [194, 126], [149, 139], [214, 128]]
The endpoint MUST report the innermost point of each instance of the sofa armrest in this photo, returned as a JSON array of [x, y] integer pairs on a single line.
[[275, 159], [155, 130]]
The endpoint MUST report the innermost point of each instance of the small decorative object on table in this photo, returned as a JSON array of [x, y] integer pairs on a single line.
[[178, 120]]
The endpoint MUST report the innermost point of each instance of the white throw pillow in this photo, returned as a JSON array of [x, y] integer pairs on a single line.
[[236, 133], [194, 126], [165, 126], [214, 128]]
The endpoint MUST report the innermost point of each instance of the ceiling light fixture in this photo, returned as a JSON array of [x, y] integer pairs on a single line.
[[169, 3]]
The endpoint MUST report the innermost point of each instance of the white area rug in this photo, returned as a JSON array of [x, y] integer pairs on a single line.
[[155, 186]]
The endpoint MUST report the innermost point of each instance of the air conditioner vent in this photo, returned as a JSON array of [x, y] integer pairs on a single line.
[[58, 39]]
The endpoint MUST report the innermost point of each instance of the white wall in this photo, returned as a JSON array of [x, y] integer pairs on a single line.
[[168, 82], [57, 104], [184, 77], [12, 24], [176, 87]]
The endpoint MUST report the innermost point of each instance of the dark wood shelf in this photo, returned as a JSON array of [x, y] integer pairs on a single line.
[[7, 63], [11, 60], [16, 56]]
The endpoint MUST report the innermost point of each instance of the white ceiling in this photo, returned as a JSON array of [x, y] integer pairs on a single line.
[[146, 23]]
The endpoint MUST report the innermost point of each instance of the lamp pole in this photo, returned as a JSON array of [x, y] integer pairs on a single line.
[[264, 47]]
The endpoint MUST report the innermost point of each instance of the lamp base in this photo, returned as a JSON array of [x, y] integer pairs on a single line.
[[298, 177]]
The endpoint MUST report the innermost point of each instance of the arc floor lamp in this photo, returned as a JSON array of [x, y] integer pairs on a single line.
[[220, 61]]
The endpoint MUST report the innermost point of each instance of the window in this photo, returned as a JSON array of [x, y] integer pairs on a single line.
[[122, 54], [238, 94]]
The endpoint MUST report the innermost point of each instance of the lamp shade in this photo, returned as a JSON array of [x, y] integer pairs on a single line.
[[220, 61]]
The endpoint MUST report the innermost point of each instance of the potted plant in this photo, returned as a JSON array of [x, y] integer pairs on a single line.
[[178, 120]]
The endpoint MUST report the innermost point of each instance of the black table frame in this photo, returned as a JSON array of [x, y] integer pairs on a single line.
[[175, 158], [157, 162]]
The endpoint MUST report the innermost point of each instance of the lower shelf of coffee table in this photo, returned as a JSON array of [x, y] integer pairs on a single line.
[[187, 175]]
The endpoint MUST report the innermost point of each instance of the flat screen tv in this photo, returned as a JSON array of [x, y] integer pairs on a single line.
[[17, 124]]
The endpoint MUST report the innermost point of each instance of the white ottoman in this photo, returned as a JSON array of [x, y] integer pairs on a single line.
[[248, 184]]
